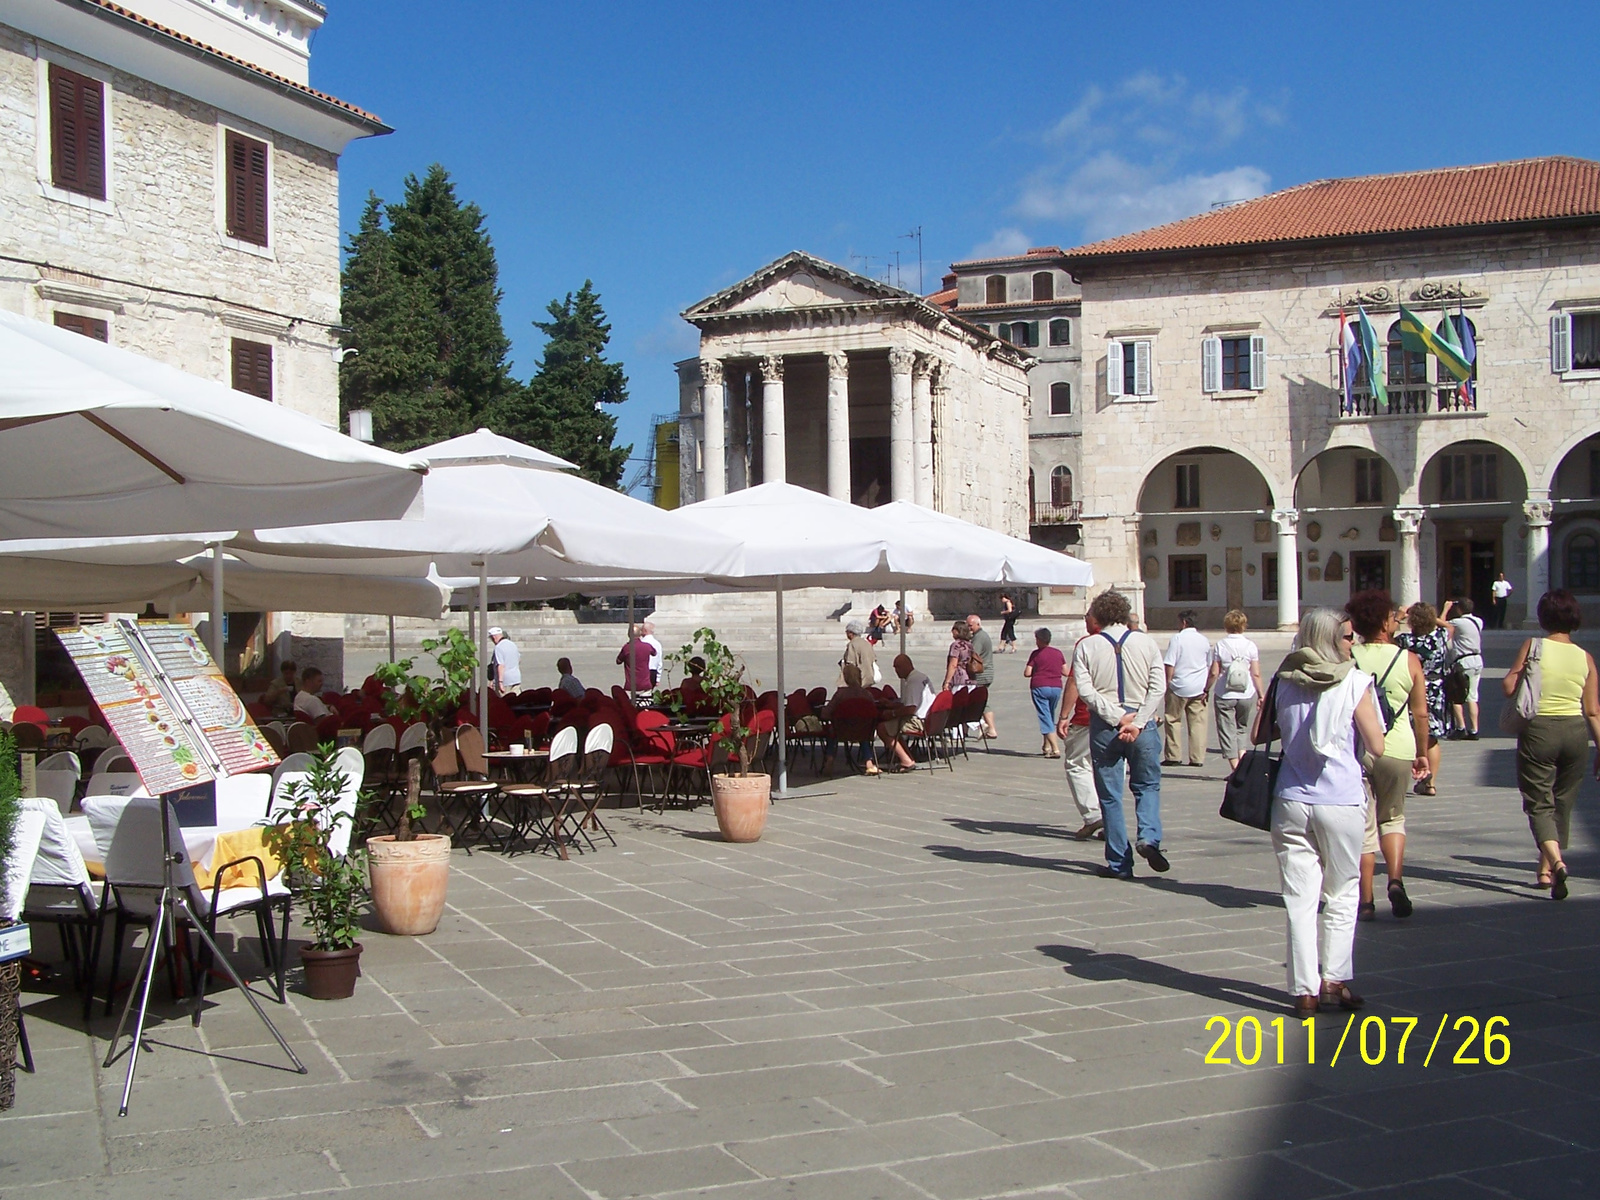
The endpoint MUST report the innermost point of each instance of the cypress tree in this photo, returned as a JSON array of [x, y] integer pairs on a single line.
[[561, 410]]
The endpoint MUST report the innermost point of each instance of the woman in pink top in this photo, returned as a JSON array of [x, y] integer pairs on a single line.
[[1044, 673]]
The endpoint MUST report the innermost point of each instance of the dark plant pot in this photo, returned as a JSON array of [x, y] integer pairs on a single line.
[[331, 974]]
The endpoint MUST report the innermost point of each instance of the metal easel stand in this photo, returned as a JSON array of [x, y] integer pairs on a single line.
[[164, 928]]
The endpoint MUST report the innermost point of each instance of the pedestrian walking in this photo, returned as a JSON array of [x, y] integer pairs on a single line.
[[981, 670], [1426, 637], [1121, 678], [1401, 696], [1008, 624], [1188, 660], [1500, 592], [1235, 683], [1552, 749], [1325, 712], [1466, 666], [505, 662], [1073, 729], [1043, 671]]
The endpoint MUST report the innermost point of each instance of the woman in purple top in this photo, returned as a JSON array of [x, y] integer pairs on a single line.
[[635, 658], [1045, 675]]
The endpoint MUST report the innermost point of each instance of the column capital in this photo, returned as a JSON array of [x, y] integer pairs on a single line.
[[924, 365], [711, 371], [838, 365], [1287, 520], [1409, 519], [772, 368], [901, 360], [1537, 512]]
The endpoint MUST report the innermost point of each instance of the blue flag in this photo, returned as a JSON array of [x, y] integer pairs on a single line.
[[1374, 355], [1469, 351]]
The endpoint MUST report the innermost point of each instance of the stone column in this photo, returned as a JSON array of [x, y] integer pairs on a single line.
[[1538, 514], [902, 455], [922, 429], [1133, 552], [713, 431], [1409, 521], [839, 427], [772, 451], [1288, 522]]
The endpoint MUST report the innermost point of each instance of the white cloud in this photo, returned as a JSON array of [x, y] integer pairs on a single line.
[[1141, 153], [1001, 244]]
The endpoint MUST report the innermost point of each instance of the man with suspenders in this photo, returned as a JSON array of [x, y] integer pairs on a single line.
[[1121, 677]]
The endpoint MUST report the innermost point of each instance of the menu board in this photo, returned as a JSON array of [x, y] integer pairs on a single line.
[[208, 697], [162, 747]]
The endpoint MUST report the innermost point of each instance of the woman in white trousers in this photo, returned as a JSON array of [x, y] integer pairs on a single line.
[[1326, 714]]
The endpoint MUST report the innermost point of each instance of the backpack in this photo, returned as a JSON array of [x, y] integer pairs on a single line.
[[1385, 710], [1237, 678]]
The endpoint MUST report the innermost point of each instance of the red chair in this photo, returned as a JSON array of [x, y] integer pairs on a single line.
[[854, 723], [704, 759], [650, 746], [31, 714], [818, 697], [935, 735]]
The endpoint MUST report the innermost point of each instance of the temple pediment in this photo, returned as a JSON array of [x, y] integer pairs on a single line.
[[796, 281]]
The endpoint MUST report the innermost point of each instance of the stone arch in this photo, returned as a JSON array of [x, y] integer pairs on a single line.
[[1473, 490], [1509, 486], [1331, 478], [1546, 479], [1276, 492]]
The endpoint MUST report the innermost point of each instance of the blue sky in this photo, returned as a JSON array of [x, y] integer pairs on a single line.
[[666, 151]]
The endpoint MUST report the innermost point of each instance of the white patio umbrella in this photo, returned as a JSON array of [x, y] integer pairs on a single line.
[[493, 505], [101, 442]]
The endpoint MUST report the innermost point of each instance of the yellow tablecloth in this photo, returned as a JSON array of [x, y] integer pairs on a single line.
[[235, 844]]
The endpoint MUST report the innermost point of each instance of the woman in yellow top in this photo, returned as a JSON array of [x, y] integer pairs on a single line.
[[1399, 682], [1552, 749]]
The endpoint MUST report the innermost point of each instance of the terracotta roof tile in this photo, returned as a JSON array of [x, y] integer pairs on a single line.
[[1527, 190], [945, 299], [1031, 253], [281, 80]]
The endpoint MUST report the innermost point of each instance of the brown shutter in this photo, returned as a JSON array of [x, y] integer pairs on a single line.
[[252, 368], [247, 188], [77, 133], [89, 327]]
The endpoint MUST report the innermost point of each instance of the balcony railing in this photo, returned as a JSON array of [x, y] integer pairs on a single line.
[[1054, 514], [1414, 401]]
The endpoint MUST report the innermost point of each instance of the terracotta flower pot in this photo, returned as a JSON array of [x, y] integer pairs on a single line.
[[741, 803], [409, 881], [331, 974]]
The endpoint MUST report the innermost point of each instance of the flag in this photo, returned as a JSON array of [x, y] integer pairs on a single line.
[[1416, 337], [1350, 350], [1469, 351], [1373, 356]]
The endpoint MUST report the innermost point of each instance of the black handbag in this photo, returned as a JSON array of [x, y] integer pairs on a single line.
[[1247, 797]]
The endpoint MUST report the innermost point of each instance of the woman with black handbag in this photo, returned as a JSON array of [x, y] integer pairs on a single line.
[[1326, 716]]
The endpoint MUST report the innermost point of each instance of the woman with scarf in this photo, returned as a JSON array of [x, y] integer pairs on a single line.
[[1326, 716]]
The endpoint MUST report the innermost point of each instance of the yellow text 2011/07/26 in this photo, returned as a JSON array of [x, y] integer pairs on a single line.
[[1464, 1042]]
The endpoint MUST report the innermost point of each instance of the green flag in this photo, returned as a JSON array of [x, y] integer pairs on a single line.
[[1416, 337], [1372, 352]]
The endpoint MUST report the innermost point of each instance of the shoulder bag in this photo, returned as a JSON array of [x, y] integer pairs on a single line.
[[1516, 712], [1247, 796]]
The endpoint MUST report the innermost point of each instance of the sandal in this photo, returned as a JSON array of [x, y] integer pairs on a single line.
[[1558, 882], [1335, 992], [1398, 900], [1305, 1006], [1366, 911]]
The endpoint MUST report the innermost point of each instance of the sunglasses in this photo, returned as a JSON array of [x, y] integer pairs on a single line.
[[1347, 637]]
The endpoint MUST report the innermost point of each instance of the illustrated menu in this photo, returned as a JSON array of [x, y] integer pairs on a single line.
[[209, 697]]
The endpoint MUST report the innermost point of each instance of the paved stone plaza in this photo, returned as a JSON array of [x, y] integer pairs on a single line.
[[911, 987]]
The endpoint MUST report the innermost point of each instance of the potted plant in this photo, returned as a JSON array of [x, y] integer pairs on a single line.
[[411, 870], [330, 889], [740, 800], [11, 972]]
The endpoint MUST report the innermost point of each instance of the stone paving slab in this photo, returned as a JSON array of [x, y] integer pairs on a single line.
[[911, 987]]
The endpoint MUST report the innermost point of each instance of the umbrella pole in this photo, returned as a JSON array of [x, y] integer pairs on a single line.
[[483, 651], [903, 620], [391, 639], [783, 732], [628, 680], [216, 605]]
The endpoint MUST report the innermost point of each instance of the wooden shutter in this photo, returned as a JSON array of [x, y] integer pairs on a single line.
[[247, 188], [89, 327], [77, 133], [1033, 334], [1561, 343], [1141, 369], [1258, 363], [1210, 364], [252, 368], [1114, 369]]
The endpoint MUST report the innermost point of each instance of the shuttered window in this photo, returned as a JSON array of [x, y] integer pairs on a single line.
[[1061, 399], [89, 327], [252, 368], [247, 188], [1128, 369], [77, 133]]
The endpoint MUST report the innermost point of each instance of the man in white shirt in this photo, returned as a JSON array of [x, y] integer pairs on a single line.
[[1120, 677], [308, 700], [506, 662], [1188, 662], [1501, 590], [658, 656], [916, 698]]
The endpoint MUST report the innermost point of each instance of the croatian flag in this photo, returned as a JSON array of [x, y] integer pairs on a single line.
[[1351, 348]]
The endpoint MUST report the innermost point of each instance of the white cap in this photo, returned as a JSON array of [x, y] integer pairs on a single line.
[[496, 631]]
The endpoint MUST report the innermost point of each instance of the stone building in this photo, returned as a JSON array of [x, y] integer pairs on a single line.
[[1032, 301], [169, 183], [1224, 466], [813, 374]]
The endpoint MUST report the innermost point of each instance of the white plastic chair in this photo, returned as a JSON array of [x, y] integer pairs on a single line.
[[297, 764], [61, 893], [354, 766], [242, 800], [19, 866], [95, 737], [379, 737], [116, 783], [104, 812], [57, 777], [113, 760], [415, 737]]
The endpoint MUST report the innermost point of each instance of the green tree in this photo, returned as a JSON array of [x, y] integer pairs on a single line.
[[421, 301], [562, 409]]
